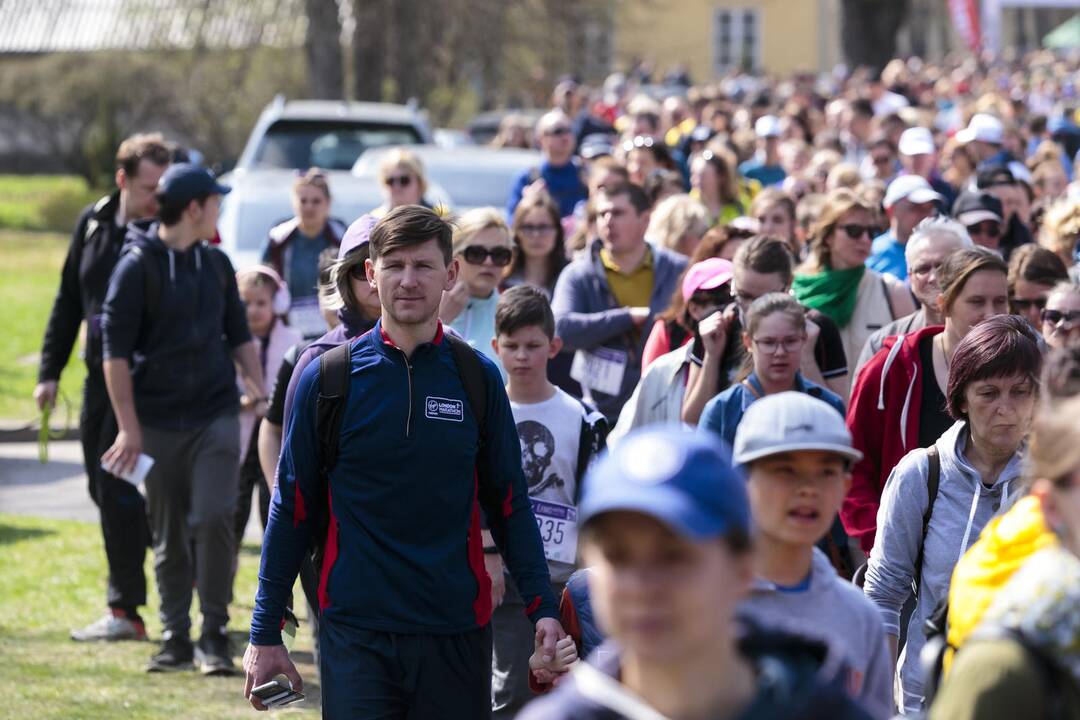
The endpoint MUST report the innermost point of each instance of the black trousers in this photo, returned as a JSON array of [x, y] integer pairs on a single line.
[[251, 479], [124, 526]]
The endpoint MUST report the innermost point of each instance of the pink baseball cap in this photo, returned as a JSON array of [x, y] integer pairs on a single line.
[[708, 274]]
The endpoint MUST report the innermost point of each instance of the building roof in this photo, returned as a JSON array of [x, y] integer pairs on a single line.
[[44, 26]]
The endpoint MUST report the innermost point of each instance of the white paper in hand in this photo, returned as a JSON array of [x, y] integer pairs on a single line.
[[137, 476]]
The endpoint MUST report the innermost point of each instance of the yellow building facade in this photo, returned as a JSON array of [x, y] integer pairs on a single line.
[[709, 36]]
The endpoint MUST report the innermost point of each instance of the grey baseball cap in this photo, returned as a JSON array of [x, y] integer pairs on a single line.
[[790, 421]]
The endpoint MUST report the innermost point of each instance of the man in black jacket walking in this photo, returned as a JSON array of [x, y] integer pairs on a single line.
[[94, 250]]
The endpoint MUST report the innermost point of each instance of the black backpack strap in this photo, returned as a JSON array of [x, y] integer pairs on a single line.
[[933, 479], [218, 262], [335, 375], [594, 431], [472, 377], [151, 281]]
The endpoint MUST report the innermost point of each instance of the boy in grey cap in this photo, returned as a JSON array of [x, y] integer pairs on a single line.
[[797, 455]]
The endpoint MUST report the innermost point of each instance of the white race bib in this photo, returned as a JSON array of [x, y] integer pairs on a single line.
[[558, 529], [601, 369], [306, 318]]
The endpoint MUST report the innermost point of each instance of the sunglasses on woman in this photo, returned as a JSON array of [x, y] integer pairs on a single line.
[[1058, 319], [855, 231], [398, 180], [476, 254]]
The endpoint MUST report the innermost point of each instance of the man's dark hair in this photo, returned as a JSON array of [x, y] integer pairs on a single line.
[[637, 196], [523, 306], [862, 106], [1035, 264], [170, 211], [766, 255], [410, 225], [999, 347], [148, 146]]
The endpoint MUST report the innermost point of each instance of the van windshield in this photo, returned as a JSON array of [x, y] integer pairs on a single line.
[[330, 145]]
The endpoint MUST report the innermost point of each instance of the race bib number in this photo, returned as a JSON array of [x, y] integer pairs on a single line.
[[558, 529], [601, 369], [306, 318]]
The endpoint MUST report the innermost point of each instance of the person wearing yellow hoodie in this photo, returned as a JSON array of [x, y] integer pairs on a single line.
[[1023, 657]]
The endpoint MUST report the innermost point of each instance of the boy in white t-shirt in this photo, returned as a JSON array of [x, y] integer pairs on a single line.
[[560, 435]]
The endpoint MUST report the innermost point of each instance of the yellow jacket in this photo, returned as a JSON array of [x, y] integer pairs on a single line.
[[1005, 543]]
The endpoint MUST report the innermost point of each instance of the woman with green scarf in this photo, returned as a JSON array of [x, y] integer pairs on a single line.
[[835, 280], [1024, 658]]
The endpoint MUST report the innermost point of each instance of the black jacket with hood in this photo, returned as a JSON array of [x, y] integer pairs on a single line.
[[92, 255], [181, 352]]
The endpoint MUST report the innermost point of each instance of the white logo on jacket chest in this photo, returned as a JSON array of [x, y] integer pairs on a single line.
[[437, 408]]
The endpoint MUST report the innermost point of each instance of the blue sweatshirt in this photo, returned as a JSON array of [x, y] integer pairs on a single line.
[[564, 184], [403, 549], [184, 351]]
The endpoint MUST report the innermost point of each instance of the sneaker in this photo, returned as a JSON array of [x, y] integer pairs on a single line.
[[212, 654], [176, 654], [114, 625]]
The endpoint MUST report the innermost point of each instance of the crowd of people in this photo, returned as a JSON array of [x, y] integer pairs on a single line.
[[757, 399]]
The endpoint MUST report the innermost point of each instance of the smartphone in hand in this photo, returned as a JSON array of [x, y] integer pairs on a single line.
[[277, 693]]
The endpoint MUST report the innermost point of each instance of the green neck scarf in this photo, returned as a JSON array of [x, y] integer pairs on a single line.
[[831, 292]]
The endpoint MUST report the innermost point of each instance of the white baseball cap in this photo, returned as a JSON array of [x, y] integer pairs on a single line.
[[984, 128], [767, 126], [917, 141], [788, 422], [910, 187]]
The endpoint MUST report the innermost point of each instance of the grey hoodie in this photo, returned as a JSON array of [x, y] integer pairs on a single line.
[[963, 507], [836, 613]]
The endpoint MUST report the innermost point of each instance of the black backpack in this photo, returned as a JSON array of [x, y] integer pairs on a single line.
[[335, 377]]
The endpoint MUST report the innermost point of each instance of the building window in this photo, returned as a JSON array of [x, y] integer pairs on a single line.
[[737, 40]]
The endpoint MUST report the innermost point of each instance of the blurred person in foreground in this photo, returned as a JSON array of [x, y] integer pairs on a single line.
[[665, 534], [93, 253]]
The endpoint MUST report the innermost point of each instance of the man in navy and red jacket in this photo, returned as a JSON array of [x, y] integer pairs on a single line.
[[405, 598]]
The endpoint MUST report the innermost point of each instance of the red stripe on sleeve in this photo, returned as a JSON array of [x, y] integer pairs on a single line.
[[330, 553], [533, 605], [474, 547], [508, 503], [299, 509]]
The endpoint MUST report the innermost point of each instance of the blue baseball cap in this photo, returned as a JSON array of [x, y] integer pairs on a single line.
[[183, 182], [357, 235], [682, 479]]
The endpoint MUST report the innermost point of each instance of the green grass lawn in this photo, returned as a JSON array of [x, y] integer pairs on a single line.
[[42, 202], [53, 581], [29, 277]]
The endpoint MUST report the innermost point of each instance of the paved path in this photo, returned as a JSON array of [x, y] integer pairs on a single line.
[[58, 489]]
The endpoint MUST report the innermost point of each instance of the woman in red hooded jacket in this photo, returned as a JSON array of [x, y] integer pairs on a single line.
[[898, 403]]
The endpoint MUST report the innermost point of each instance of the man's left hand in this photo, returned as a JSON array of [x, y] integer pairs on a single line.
[[548, 632]]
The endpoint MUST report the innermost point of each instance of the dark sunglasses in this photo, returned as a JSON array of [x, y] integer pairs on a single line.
[[718, 297], [988, 228], [855, 231], [357, 271], [1057, 317], [400, 180], [1025, 305], [558, 131], [476, 254]]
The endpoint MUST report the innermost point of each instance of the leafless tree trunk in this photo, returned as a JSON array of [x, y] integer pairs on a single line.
[[322, 46], [868, 30], [369, 48]]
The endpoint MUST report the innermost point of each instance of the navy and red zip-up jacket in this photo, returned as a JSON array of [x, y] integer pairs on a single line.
[[403, 550]]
